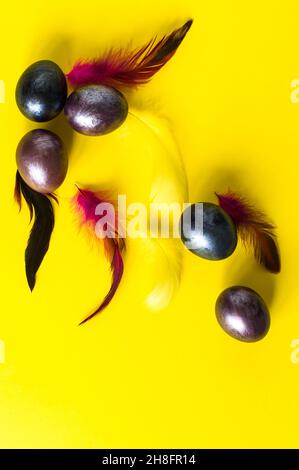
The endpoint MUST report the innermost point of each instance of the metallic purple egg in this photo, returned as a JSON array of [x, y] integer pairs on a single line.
[[96, 109], [42, 160], [243, 314]]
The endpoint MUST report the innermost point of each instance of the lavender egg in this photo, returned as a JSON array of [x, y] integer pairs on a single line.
[[96, 109], [42, 161], [243, 314]]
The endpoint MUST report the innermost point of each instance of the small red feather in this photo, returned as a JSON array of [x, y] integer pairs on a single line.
[[85, 204], [253, 228], [121, 68]]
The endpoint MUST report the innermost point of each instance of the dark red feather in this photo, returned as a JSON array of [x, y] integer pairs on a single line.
[[122, 68], [117, 268], [85, 203], [253, 228]]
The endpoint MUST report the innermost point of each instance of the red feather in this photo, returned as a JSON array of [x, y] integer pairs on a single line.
[[124, 68], [253, 228], [85, 203]]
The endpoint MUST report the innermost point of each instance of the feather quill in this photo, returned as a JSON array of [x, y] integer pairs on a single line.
[[253, 228], [41, 209], [121, 68], [85, 203]]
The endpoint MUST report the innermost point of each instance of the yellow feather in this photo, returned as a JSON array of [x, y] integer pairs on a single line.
[[166, 256], [169, 186]]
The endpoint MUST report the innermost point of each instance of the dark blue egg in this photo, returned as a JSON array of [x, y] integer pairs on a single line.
[[242, 314], [41, 91], [208, 231]]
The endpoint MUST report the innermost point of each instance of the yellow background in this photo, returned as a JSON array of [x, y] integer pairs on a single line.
[[131, 378]]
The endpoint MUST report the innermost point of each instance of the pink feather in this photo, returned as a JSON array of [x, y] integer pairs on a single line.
[[128, 68], [253, 228], [85, 204]]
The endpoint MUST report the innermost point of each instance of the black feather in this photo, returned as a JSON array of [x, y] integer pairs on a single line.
[[169, 44], [41, 209]]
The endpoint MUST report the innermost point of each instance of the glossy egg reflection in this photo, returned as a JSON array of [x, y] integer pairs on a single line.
[[42, 160], [96, 109], [208, 231], [243, 314], [41, 91]]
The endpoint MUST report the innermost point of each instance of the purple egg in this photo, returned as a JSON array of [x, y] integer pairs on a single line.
[[96, 109], [42, 161], [243, 314]]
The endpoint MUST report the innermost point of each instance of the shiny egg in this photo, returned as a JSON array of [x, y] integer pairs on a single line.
[[208, 231], [42, 161], [96, 109], [41, 91], [243, 314]]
